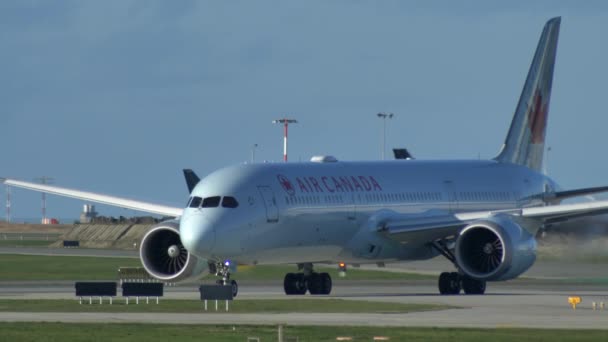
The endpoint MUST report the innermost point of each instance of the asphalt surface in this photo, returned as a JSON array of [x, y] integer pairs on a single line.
[[502, 306], [522, 303]]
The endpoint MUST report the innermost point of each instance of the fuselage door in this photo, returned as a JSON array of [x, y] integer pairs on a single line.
[[270, 202]]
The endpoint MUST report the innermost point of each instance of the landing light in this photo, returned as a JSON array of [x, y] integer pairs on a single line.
[[227, 263]]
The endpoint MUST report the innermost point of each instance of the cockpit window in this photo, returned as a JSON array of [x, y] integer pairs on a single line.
[[211, 202], [196, 202], [229, 202]]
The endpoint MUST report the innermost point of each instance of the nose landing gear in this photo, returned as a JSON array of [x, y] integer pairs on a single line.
[[307, 280], [223, 270]]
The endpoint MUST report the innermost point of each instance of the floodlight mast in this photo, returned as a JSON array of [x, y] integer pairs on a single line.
[[285, 123], [44, 180], [384, 116], [8, 204]]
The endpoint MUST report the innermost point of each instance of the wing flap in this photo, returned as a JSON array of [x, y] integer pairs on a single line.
[[98, 198]]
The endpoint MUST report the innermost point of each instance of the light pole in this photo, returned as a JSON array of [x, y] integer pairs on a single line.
[[285, 123], [253, 147], [44, 180], [8, 204], [384, 116]]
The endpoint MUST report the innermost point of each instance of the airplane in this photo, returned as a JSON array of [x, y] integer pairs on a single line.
[[482, 215]]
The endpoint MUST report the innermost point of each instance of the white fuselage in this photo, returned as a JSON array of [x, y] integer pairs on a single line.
[[319, 212]]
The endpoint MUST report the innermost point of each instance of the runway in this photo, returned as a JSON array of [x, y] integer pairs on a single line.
[[526, 303], [508, 305]]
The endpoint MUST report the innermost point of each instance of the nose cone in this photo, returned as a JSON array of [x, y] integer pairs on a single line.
[[197, 234]]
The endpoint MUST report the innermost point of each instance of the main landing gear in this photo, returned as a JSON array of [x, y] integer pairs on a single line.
[[223, 270], [307, 280], [451, 283]]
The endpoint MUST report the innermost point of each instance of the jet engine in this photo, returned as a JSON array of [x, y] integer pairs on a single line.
[[497, 248], [164, 257]]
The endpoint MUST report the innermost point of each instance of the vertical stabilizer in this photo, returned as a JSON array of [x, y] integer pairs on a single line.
[[525, 141]]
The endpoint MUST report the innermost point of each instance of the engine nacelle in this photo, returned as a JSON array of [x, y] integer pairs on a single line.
[[164, 257], [495, 249]]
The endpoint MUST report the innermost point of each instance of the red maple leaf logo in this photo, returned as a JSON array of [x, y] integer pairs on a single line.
[[538, 119], [286, 184]]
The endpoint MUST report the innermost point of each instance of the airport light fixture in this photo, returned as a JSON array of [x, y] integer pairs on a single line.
[[285, 123], [384, 116], [44, 180], [253, 148], [8, 204]]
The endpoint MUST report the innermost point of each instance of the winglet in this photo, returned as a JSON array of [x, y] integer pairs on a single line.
[[525, 142], [191, 179]]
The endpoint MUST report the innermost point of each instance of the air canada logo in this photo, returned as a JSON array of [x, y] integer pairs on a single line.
[[286, 184], [538, 119]]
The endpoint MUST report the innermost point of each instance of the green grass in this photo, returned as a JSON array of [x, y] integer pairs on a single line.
[[37, 267], [25, 243], [228, 333], [305, 305]]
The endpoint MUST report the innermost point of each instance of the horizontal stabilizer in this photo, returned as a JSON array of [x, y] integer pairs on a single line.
[[560, 195]]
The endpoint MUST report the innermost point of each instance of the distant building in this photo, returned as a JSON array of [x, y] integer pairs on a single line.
[[88, 213]]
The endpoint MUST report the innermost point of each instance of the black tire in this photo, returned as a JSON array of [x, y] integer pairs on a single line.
[[289, 284], [455, 283], [300, 285], [313, 282], [444, 283], [473, 286], [235, 288], [326, 283]]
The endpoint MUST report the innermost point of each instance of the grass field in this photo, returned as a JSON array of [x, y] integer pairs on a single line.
[[228, 333], [305, 305], [35, 267], [25, 243]]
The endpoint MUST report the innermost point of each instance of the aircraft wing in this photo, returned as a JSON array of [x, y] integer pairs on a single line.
[[98, 198], [411, 228]]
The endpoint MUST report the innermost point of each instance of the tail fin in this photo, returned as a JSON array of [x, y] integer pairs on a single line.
[[525, 141]]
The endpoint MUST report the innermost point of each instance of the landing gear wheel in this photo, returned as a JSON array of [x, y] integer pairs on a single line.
[[235, 288], [473, 286], [444, 283], [294, 284], [289, 284], [455, 282], [449, 283], [326, 283], [300, 284], [314, 284]]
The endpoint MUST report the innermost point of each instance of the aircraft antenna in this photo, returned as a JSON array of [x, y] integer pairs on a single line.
[[285, 123]]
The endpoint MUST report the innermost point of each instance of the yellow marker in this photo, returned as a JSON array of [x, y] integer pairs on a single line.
[[574, 301]]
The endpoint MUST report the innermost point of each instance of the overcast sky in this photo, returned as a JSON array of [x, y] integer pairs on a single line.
[[118, 96]]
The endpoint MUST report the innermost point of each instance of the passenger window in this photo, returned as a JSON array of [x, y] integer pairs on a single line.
[[211, 202], [229, 202], [196, 202]]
